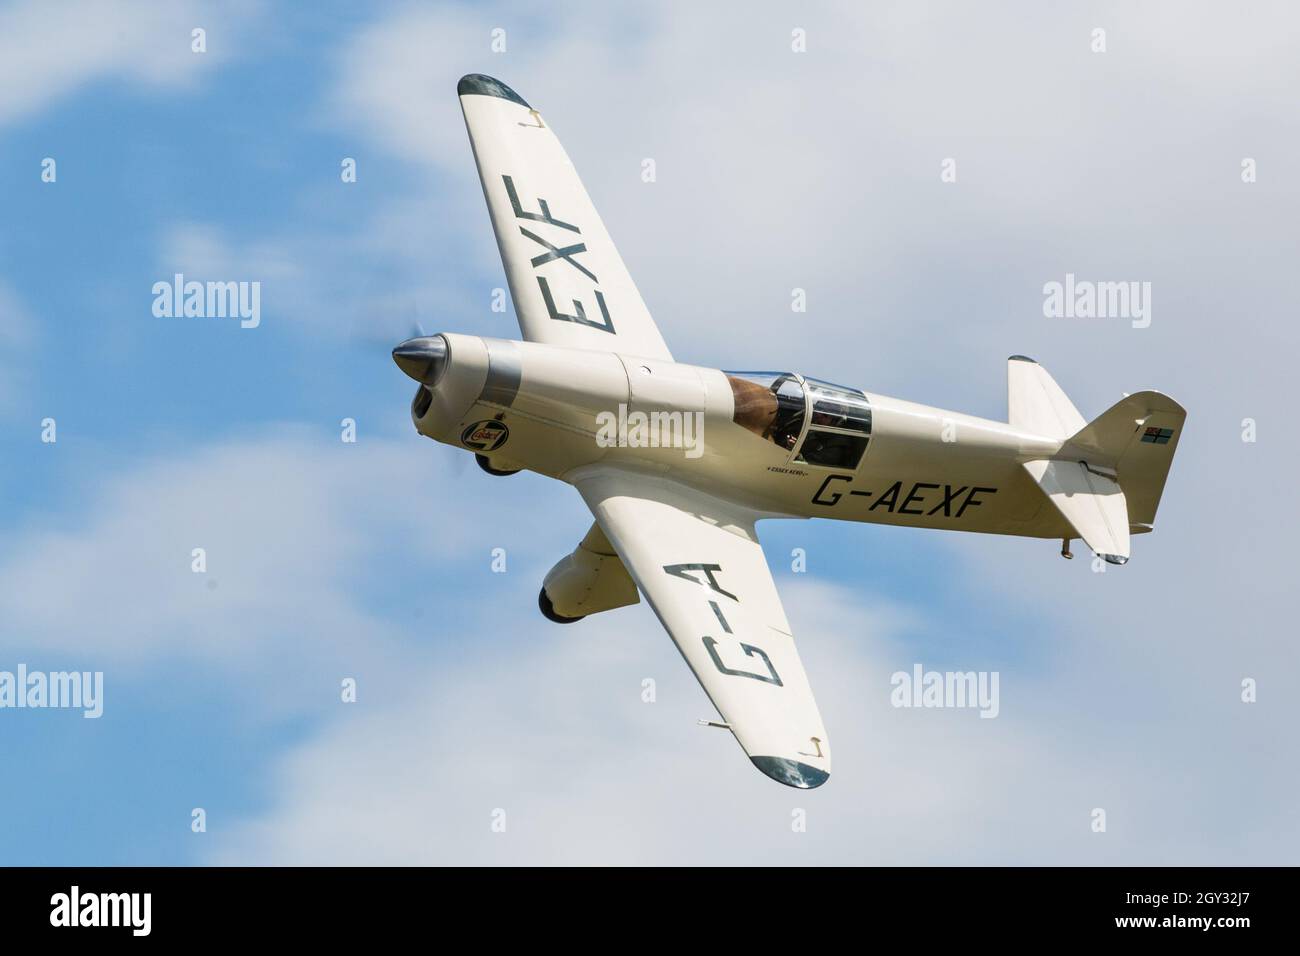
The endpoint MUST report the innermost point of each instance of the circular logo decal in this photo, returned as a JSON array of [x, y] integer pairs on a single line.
[[485, 436]]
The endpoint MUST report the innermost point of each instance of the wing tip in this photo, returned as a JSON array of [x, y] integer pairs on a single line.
[[792, 773], [1021, 358], [479, 84]]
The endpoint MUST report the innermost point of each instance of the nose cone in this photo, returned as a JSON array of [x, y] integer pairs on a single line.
[[422, 358]]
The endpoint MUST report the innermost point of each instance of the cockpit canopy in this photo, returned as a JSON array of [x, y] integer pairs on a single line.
[[818, 423]]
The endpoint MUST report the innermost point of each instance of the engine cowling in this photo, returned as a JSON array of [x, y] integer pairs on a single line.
[[590, 580]]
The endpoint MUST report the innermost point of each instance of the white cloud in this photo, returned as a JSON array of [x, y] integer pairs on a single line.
[[818, 170], [821, 171], [372, 288], [554, 732], [470, 701], [50, 50], [293, 522]]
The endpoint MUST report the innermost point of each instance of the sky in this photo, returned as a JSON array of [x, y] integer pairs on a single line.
[[371, 561]]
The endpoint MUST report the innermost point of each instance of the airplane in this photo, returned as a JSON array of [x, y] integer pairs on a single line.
[[677, 525]]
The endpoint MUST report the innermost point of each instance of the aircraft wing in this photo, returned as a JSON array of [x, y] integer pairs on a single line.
[[568, 283], [698, 562]]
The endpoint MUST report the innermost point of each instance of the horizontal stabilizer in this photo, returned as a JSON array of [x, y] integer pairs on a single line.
[[1092, 503]]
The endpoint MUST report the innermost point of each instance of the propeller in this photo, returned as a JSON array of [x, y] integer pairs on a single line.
[[380, 320]]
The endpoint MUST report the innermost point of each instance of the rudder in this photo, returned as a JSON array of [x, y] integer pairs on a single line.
[[1136, 438]]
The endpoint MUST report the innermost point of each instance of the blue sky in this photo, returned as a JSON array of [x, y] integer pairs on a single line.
[[371, 560]]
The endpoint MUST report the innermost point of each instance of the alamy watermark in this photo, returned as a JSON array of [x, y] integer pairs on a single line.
[[940, 689], [209, 300], [130, 910], [83, 690], [1084, 299], [636, 429]]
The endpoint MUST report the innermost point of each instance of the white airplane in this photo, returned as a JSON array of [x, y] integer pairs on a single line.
[[678, 523]]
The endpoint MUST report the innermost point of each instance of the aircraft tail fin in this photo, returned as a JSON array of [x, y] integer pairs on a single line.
[[1136, 437], [1108, 477]]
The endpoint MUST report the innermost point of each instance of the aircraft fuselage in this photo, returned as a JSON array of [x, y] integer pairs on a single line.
[[775, 442]]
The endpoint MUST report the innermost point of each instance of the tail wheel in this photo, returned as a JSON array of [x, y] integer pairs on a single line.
[[548, 610]]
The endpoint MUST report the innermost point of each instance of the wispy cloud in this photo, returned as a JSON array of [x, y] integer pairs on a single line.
[[294, 525], [49, 51], [775, 170], [556, 734]]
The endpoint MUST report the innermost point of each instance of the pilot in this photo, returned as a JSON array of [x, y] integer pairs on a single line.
[[826, 450], [835, 420]]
